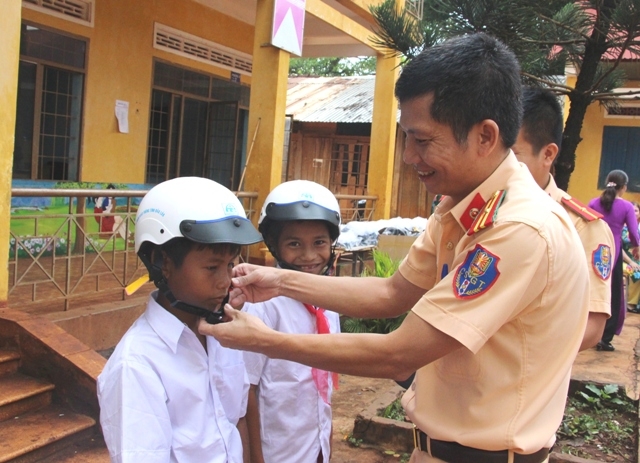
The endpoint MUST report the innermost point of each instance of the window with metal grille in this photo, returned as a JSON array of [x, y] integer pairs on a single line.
[[349, 167], [197, 126], [49, 109], [621, 150]]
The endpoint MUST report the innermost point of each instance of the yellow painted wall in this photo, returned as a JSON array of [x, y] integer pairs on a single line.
[[584, 180], [120, 60], [9, 53]]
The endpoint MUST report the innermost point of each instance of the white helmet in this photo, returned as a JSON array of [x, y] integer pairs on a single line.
[[300, 200], [195, 208]]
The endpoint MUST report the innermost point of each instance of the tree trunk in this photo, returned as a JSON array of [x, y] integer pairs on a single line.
[[581, 97]]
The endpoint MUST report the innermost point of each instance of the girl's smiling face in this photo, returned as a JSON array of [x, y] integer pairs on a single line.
[[305, 245]]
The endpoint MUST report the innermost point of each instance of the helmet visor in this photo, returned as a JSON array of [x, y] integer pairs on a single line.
[[301, 210], [235, 230]]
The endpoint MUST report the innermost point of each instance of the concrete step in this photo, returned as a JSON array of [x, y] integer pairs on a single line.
[[9, 361], [20, 394], [91, 450], [35, 436]]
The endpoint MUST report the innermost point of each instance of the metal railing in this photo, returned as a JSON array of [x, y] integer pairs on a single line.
[[59, 258], [356, 207]]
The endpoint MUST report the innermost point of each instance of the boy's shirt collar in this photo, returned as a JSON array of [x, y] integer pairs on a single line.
[[165, 324]]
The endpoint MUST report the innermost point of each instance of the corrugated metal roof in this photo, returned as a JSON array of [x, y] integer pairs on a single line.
[[331, 99]]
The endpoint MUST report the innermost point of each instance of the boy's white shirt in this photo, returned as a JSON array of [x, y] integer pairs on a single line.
[[164, 399], [295, 423]]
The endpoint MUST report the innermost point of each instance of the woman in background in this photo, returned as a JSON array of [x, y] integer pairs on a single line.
[[633, 283], [617, 212]]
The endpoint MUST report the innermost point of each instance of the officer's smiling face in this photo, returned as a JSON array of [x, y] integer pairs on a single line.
[[443, 165]]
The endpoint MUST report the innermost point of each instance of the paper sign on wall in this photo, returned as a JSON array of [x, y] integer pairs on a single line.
[[288, 25], [122, 114]]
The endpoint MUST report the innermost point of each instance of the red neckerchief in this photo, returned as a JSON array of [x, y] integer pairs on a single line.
[[321, 377]]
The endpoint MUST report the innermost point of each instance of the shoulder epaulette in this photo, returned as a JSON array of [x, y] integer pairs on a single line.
[[583, 211], [488, 213]]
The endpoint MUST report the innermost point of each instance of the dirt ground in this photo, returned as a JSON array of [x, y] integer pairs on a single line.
[[354, 395]]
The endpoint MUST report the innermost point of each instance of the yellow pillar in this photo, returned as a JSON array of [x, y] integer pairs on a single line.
[[266, 108], [383, 135], [9, 59]]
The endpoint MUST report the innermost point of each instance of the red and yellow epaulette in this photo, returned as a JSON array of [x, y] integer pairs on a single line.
[[487, 215], [583, 211]]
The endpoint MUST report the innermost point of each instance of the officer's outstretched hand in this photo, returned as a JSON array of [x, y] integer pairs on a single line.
[[254, 283], [240, 330]]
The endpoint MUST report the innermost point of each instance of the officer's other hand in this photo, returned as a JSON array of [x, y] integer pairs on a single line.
[[253, 283], [240, 330]]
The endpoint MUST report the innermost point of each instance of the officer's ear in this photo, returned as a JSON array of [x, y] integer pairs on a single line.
[[487, 135], [549, 153]]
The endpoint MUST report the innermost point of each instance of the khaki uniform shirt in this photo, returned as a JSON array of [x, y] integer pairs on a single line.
[[594, 235], [510, 294]]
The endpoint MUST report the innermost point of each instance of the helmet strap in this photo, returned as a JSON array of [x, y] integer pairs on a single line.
[[211, 317], [155, 274]]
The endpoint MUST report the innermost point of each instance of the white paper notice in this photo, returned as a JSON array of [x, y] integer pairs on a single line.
[[122, 114]]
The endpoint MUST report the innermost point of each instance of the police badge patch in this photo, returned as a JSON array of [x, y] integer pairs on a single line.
[[601, 261], [477, 274]]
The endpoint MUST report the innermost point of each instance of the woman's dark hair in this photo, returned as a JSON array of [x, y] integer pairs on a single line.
[[616, 180]]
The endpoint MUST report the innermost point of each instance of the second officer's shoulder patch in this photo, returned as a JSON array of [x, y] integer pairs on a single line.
[[476, 274], [601, 261]]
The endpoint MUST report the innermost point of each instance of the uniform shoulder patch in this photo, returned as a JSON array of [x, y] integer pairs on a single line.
[[583, 211], [476, 274], [601, 261]]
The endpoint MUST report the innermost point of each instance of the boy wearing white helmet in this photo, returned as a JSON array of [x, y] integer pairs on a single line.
[[289, 412], [167, 393]]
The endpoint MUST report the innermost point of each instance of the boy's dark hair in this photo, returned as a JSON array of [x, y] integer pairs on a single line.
[[542, 119], [615, 181], [472, 78], [178, 248]]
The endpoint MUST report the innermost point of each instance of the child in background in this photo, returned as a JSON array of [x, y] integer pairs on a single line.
[[167, 393], [289, 411]]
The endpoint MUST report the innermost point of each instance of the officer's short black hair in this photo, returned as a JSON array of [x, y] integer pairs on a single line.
[[542, 119], [472, 78]]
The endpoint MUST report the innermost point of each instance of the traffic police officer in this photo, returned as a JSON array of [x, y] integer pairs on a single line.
[[537, 146], [497, 277]]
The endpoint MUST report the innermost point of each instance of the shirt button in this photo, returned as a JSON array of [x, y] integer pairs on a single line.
[[449, 245], [413, 386]]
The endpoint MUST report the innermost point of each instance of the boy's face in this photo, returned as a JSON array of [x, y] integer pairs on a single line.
[[305, 245], [203, 279]]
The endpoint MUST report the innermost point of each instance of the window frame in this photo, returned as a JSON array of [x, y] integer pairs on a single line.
[[40, 64]]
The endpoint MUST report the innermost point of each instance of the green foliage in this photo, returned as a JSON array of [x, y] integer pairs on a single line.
[[384, 267], [591, 35], [600, 416], [332, 67], [353, 441], [393, 411]]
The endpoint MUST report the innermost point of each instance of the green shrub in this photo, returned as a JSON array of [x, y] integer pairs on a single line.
[[384, 267]]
